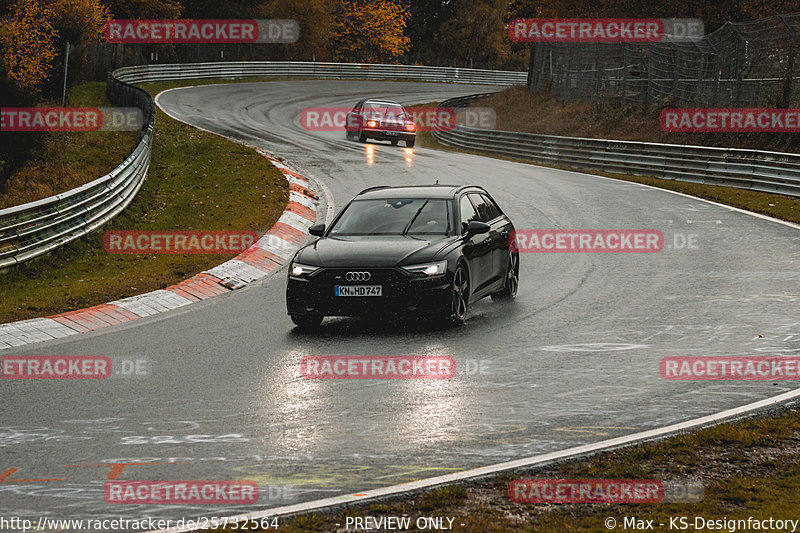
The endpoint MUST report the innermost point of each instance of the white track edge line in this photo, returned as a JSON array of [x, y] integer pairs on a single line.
[[543, 459], [529, 461]]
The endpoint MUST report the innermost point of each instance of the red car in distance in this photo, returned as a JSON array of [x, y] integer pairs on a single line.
[[383, 120]]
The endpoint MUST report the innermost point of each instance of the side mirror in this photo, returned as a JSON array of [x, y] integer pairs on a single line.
[[476, 227], [318, 229]]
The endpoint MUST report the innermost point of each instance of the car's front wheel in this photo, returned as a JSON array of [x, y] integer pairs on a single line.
[[307, 321], [410, 143], [362, 137], [509, 290], [459, 296]]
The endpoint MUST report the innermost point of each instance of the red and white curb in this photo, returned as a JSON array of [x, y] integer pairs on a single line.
[[267, 255]]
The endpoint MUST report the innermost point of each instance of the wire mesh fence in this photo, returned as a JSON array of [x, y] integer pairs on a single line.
[[747, 64]]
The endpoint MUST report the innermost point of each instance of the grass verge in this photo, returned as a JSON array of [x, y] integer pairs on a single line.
[[66, 160], [196, 180], [748, 468]]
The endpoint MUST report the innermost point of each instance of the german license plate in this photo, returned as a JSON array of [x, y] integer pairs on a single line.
[[390, 133], [357, 290]]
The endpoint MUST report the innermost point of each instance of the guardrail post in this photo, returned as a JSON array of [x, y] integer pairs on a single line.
[[624, 72], [717, 73], [599, 86], [531, 69], [787, 83], [700, 73], [737, 99], [648, 92]]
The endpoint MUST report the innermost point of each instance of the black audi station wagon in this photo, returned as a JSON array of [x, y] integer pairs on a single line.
[[413, 250]]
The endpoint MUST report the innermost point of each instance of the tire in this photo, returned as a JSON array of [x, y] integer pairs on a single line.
[[410, 143], [307, 321], [394, 142], [511, 284], [362, 137], [459, 301]]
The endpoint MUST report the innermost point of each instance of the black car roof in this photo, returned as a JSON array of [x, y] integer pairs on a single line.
[[415, 191]]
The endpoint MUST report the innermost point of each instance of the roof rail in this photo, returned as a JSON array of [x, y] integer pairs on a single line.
[[373, 189]]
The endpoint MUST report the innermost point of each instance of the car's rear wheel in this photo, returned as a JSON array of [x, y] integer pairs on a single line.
[[509, 290], [410, 143], [459, 300], [307, 321]]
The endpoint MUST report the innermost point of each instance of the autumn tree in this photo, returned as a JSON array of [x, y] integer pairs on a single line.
[[28, 39], [80, 21], [371, 31], [219, 9], [145, 9], [477, 33], [318, 21], [33, 34], [714, 13], [426, 18]]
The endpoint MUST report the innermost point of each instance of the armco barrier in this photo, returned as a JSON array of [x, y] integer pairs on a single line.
[[334, 71], [774, 172], [35, 228], [30, 230]]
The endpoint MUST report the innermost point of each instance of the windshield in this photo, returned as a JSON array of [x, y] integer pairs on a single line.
[[392, 111], [394, 216]]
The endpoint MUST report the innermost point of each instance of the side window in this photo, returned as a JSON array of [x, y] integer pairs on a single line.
[[468, 213], [480, 205], [494, 211]]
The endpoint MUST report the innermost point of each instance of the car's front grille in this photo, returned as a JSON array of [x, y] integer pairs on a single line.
[[390, 279]]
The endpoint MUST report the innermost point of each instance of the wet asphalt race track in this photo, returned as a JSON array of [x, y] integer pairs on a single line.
[[574, 360]]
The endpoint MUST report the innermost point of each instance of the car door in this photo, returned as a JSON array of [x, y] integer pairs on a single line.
[[497, 236], [354, 118], [477, 249]]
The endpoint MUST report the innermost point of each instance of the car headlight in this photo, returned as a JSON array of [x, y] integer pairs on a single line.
[[427, 269], [371, 123], [297, 269], [411, 127]]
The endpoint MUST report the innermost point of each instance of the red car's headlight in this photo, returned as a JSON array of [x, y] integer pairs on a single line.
[[411, 127], [371, 123]]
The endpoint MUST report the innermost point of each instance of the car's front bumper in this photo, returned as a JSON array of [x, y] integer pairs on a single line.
[[383, 134], [401, 293]]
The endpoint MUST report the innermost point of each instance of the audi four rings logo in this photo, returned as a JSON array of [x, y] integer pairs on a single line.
[[357, 276]]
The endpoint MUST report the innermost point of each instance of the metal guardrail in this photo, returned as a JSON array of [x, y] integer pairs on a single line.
[[336, 71], [30, 230], [774, 172]]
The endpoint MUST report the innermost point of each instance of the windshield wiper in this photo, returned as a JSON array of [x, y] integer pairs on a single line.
[[408, 226]]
